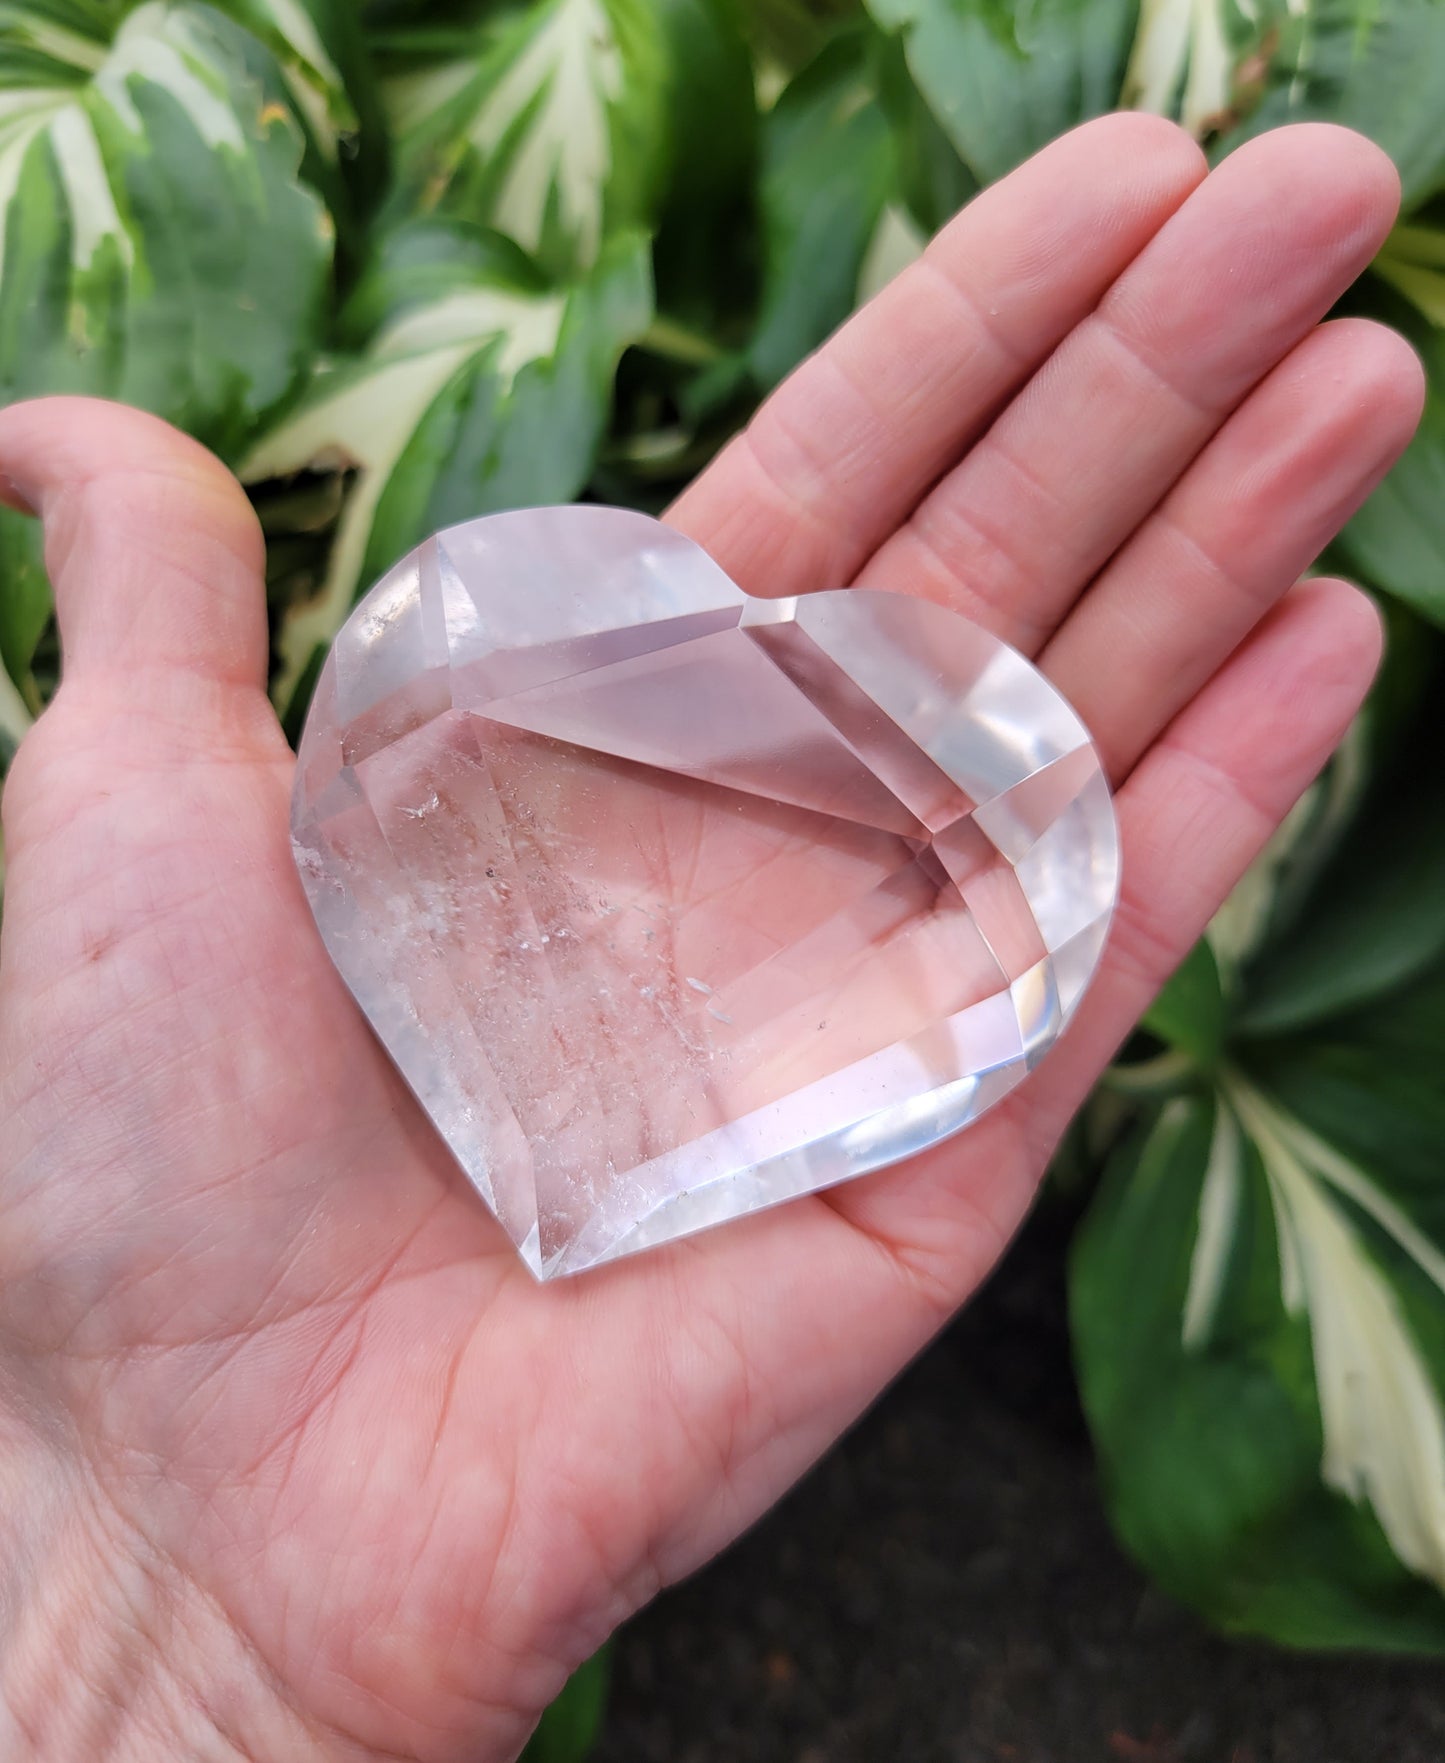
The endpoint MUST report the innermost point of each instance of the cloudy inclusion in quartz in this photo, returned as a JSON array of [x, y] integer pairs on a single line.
[[671, 903]]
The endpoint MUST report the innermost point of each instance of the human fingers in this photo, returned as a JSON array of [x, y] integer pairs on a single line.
[[1253, 511], [156, 563], [1200, 805], [766, 1339], [842, 451], [1243, 270], [153, 551], [1194, 814]]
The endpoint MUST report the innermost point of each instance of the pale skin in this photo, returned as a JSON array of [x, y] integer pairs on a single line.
[[295, 1459]]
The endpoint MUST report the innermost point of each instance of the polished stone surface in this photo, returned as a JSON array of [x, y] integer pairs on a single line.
[[671, 903]]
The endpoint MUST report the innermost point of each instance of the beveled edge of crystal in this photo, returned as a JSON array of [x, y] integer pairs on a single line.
[[423, 612]]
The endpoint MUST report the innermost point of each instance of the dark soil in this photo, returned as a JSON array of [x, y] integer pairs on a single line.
[[944, 1589]]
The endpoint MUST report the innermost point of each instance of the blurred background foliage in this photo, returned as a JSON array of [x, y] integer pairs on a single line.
[[407, 262]]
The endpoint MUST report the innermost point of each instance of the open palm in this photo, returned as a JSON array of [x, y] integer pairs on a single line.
[[295, 1458]]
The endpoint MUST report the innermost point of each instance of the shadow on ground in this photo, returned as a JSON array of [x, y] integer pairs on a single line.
[[943, 1589]]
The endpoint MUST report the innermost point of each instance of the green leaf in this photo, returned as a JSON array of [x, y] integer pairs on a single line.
[[1397, 540], [1368, 1082], [157, 247], [429, 28], [1187, 60], [1189, 1012], [547, 128], [1373, 65], [15, 720], [483, 389], [570, 1727], [1412, 261], [331, 87], [1375, 918], [1365, 1206], [24, 594], [155, 244], [297, 33], [828, 170], [1005, 79], [1266, 1405], [1276, 887], [933, 180], [702, 257], [785, 35]]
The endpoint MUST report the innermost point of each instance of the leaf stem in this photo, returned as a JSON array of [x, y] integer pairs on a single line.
[[1412, 261], [678, 342], [1151, 1077]]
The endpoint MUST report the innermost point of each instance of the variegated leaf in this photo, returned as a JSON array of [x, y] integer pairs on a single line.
[[1196, 59], [293, 31], [327, 79], [1382, 1405], [1413, 263], [1259, 1289], [1228, 69], [1257, 1324], [1373, 65], [1304, 840], [54, 43], [548, 127], [483, 388], [156, 245]]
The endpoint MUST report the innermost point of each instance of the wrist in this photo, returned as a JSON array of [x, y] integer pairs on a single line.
[[106, 1654]]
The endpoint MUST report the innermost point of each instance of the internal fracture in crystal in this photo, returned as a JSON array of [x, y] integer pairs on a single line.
[[671, 903]]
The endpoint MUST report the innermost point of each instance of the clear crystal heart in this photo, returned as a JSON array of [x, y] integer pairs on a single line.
[[671, 903]]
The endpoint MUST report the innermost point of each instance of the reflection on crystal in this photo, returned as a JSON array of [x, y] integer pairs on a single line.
[[669, 903]]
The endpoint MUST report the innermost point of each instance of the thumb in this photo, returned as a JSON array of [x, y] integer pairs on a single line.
[[157, 565], [154, 553]]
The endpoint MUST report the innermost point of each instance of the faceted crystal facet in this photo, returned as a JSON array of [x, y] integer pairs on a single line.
[[671, 903]]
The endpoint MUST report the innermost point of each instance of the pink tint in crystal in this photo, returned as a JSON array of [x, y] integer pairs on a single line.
[[670, 903]]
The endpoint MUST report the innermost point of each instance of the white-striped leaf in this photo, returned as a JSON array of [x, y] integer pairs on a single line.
[[1373, 65], [53, 43], [549, 127], [327, 79], [482, 388], [156, 244], [296, 31], [1257, 1327], [1259, 1289], [1228, 69], [1382, 1406], [1196, 60]]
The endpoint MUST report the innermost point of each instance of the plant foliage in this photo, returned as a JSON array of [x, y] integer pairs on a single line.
[[404, 262]]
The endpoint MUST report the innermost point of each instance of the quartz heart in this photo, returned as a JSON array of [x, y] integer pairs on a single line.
[[671, 903]]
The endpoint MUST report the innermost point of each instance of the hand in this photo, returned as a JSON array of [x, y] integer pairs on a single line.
[[296, 1460]]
